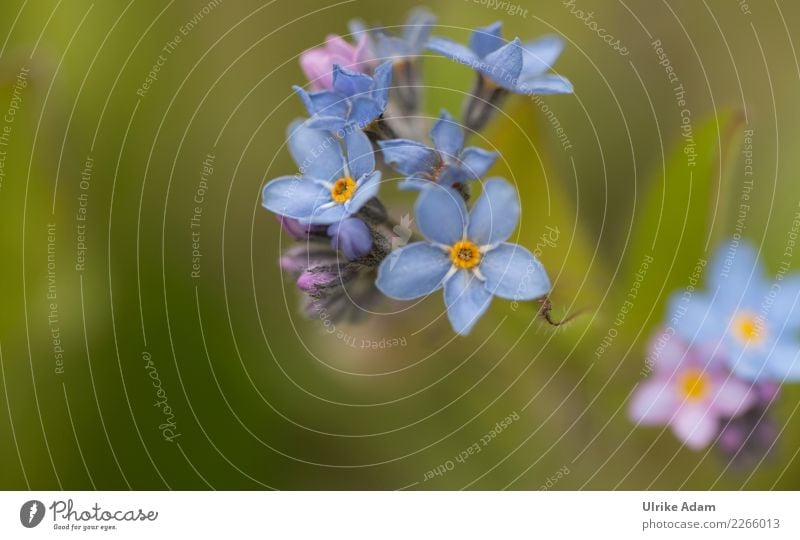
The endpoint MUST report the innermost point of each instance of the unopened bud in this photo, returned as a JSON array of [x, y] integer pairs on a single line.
[[299, 231], [352, 237]]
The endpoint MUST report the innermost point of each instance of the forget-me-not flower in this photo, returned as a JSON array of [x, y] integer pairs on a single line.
[[353, 103], [754, 322], [466, 254], [515, 66], [447, 164], [330, 186]]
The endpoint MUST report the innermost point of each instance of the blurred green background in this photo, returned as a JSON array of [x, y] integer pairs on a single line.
[[260, 398]]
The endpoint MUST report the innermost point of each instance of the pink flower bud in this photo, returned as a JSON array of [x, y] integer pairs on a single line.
[[317, 63]]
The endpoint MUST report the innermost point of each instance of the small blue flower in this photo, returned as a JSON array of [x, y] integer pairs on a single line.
[[416, 31], [518, 67], [352, 237], [754, 321], [329, 187], [355, 101], [448, 163], [466, 254]]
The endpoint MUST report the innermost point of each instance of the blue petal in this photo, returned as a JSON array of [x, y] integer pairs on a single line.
[[352, 237], [364, 111], [391, 47], [695, 319], [454, 50], [366, 190], [786, 307], [331, 214], [763, 363], [317, 153], [382, 81], [441, 215], [357, 28], [414, 183], [748, 366], [512, 272], [308, 102], [476, 162], [418, 29], [505, 64], [447, 135], [487, 39], [544, 85], [409, 157], [495, 214], [539, 56], [360, 155], [784, 362], [452, 174], [324, 102], [734, 263], [466, 299], [350, 83], [326, 123], [412, 271], [294, 197], [737, 271]]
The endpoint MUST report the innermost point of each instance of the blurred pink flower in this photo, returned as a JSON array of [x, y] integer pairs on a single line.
[[317, 63], [690, 390]]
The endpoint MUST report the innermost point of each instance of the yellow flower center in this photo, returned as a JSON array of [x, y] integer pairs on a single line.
[[343, 190], [747, 328], [693, 384], [465, 254]]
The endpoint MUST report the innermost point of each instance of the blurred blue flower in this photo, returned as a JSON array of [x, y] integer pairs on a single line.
[[447, 164], [404, 50], [516, 66], [354, 102], [416, 31], [753, 320], [466, 254], [329, 187], [352, 237]]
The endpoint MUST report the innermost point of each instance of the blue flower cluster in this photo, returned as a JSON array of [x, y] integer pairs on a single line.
[[721, 357], [752, 320], [345, 253]]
